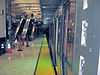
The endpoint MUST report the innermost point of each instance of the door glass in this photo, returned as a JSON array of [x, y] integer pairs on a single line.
[[59, 34], [69, 26], [70, 31]]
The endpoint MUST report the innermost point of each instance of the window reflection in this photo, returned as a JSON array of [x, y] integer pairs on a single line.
[[59, 34], [69, 30]]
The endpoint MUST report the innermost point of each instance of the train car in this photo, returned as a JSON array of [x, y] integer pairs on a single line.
[[2, 27], [55, 39], [74, 38]]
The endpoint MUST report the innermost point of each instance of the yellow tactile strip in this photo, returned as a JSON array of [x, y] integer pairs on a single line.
[[45, 66]]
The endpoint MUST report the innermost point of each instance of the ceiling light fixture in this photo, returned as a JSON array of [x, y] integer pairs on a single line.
[[31, 7], [34, 8], [44, 7]]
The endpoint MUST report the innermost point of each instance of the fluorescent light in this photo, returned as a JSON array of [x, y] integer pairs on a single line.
[[44, 7], [48, 18], [34, 8], [27, 8], [28, 19]]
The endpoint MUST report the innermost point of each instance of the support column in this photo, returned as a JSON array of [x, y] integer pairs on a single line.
[[9, 19]]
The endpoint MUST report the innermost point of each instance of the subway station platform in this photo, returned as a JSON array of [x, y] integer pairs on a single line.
[[33, 60], [44, 65], [49, 37]]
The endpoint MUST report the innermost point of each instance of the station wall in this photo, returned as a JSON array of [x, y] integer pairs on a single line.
[[2, 19]]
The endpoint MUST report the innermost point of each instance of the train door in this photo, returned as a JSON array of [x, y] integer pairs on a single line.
[[55, 40], [56, 35], [69, 29], [59, 44], [52, 40], [65, 36], [59, 35]]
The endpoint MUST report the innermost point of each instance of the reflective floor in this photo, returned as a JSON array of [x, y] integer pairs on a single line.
[[21, 62]]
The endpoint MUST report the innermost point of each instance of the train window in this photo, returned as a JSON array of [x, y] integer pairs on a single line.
[[59, 34], [55, 31], [52, 31], [69, 30], [65, 28], [53, 34]]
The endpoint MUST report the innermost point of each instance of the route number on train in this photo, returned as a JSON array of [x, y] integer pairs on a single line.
[[81, 65], [84, 33], [85, 4]]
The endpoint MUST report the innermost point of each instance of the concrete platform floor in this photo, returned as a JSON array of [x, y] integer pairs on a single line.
[[23, 62]]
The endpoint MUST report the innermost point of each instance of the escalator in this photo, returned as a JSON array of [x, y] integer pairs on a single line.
[[30, 29], [25, 28], [20, 30]]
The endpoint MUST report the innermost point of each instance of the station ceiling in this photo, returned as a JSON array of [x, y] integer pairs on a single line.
[[48, 8], [42, 9], [26, 6]]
